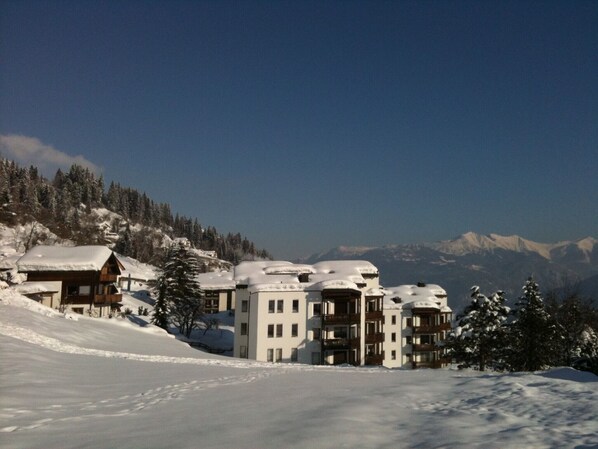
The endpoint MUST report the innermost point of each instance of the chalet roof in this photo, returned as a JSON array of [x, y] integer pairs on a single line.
[[65, 258], [28, 288], [216, 280]]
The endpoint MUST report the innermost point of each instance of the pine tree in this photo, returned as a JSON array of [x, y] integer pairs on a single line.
[[177, 287], [532, 334], [478, 340]]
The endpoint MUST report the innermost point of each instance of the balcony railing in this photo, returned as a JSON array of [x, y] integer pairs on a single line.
[[375, 359], [425, 347], [431, 364], [374, 316], [374, 338], [108, 299], [340, 343], [341, 318], [108, 277], [432, 329]]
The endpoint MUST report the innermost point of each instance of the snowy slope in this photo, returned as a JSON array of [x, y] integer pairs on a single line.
[[94, 383]]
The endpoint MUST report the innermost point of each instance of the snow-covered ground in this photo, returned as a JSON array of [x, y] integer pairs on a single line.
[[107, 383]]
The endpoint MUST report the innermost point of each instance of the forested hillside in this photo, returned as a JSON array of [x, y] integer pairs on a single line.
[[68, 206]]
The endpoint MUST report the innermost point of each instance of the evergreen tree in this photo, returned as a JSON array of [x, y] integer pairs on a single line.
[[577, 325], [532, 334], [177, 287], [478, 340]]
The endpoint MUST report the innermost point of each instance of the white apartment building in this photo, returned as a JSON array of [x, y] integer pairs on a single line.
[[331, 313]]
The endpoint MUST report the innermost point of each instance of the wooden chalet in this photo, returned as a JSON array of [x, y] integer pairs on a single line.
[[88, 274]]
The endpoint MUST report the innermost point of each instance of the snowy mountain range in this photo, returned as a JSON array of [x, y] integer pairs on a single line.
[[493, 262]]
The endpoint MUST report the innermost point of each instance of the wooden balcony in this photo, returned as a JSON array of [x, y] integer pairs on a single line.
[[329, 344], [108, 299], [374, 316], [432, 329], [374, 338], [341, 318], [374, 359], [108, 277]]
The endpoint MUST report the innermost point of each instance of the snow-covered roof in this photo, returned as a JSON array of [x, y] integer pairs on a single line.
[[282, 275], [217, 280], [28, 288], [64, 258], [429, 296]]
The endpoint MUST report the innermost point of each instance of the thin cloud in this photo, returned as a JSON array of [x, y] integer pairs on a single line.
[[31, 151]]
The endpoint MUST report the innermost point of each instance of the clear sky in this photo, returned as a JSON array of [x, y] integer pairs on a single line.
[[307, 125]]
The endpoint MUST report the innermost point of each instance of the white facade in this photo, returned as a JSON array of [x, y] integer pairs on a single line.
[[326, 313]]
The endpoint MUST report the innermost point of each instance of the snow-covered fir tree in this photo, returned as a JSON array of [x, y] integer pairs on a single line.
[[533, 341], [478, 340], [179, 296]]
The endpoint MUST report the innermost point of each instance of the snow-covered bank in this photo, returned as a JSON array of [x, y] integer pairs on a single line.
[[108, 383]]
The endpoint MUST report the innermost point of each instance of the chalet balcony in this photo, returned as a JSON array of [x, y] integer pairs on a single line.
[[341, 318], [340, 343], [374, 338], [108, 299], [374, 316], [432, 329], [374, 359], [108, 277]]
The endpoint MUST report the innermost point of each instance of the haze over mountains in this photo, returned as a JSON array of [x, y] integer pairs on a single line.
[[493, 262]]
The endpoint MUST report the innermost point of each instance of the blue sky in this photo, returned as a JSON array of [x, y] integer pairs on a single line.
[[308, 125]]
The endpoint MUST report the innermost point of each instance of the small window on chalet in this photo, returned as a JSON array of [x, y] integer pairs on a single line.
[[84, 290], [72, 290]]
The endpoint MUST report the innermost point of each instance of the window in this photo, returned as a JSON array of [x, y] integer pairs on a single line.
[[394, 319], [280, 306], [294, 330], [393, 355], [340, 332], [315, 358], [393, 337], [427, 339], [243, 352], [295, 306], [408, 339], [279, 330], [316, 333], [244, 306], [270, 355], [270, 330], [271, 305], [84, 290], [294, 355], [278, 355], [409, 322], [243, 328], [317, 309]]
